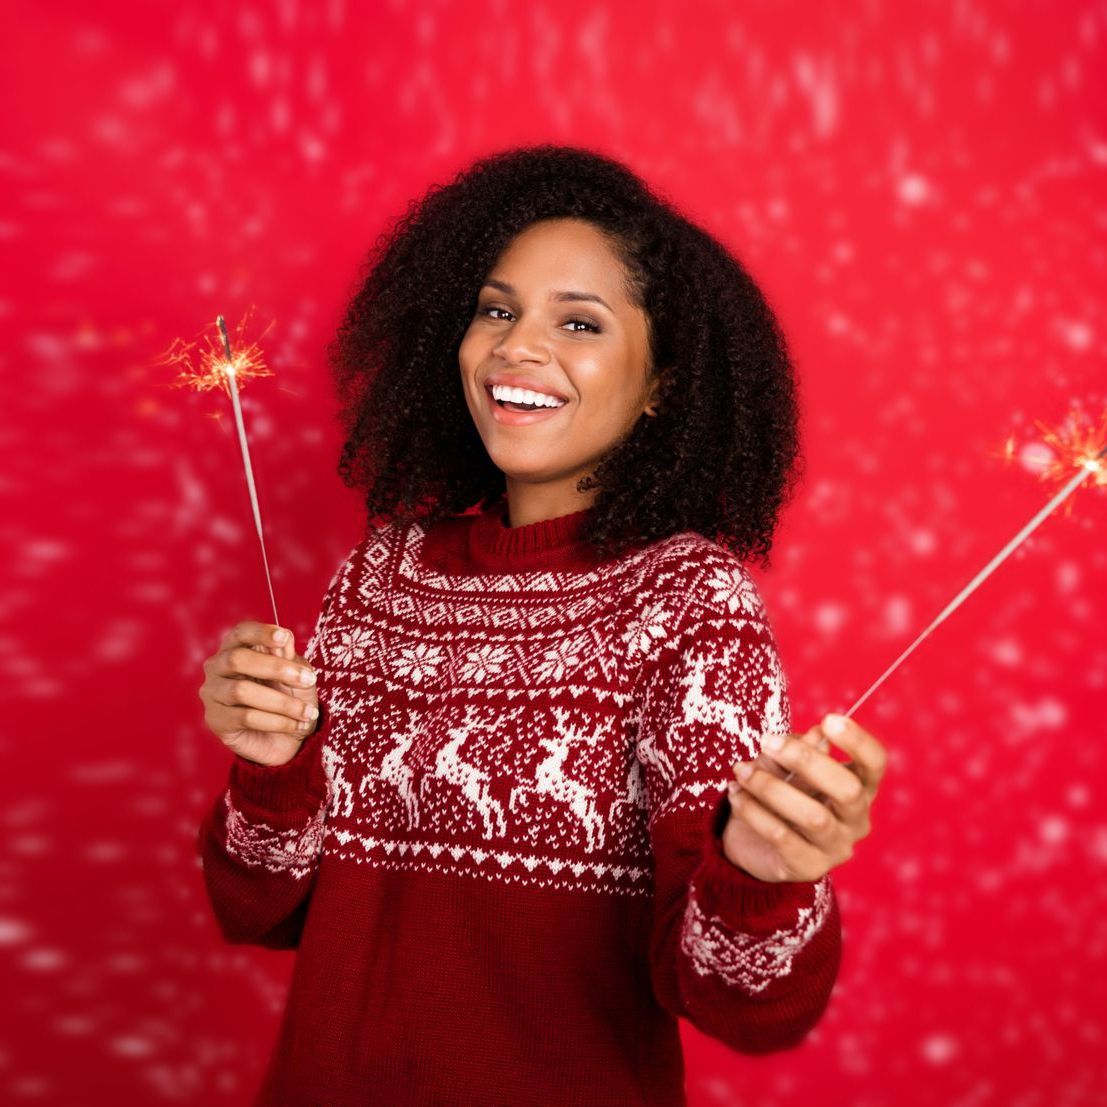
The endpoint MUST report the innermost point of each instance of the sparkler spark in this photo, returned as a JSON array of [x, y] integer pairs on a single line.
[[220, 367], [1076, 445], [211, 367]]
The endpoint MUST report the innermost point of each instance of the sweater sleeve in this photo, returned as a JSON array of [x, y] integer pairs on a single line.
[[260, 843], [748, 962]]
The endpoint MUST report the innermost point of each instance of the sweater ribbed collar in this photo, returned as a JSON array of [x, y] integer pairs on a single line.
[[549, 541]]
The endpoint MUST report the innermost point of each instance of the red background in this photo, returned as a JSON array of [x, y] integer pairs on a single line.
[[918, 188]]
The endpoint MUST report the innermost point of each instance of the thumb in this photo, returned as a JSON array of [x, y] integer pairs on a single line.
[[287, 651]]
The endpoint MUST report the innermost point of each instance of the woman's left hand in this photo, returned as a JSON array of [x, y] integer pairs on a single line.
[[780, 830]]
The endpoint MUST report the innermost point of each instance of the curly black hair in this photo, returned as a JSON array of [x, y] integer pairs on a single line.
[[720, 457]]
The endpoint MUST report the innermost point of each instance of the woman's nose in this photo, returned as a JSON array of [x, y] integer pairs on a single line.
[[522, 342]]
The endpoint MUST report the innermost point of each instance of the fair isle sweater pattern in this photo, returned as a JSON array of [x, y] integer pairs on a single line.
[[514, 752], [535, 727], [499, 856], [292, 852], [746, 961]]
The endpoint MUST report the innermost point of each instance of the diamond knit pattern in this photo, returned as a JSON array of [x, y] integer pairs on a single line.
[[499, 855]]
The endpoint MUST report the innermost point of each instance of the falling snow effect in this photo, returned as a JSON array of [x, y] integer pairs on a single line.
[[922, 197]]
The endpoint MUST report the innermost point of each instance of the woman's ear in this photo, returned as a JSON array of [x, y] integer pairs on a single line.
[[652, 403]]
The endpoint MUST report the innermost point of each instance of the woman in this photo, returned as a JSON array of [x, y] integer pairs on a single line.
[[494, 819]]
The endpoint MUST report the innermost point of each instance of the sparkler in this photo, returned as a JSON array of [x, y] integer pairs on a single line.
[[223, 369], [1079, 447]]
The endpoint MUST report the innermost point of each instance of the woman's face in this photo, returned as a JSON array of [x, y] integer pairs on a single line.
[[553, 316]]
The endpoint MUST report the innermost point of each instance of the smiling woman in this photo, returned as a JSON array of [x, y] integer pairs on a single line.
[[577, 383], [556, 268], [505, 853]]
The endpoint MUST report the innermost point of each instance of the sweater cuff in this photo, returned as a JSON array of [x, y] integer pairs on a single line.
[[741, 900], [299, 784]]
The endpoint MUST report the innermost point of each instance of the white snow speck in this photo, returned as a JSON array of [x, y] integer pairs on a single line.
[[913, 189], [939, 1049]]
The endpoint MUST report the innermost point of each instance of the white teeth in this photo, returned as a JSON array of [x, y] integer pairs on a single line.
[[524, 396]]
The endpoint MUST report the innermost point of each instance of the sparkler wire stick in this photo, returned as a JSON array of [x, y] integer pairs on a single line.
[[1087, 467], [229, 370]]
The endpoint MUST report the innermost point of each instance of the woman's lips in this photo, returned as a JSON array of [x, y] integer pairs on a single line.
[[519, 418]]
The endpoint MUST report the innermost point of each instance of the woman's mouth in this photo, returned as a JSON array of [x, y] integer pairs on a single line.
[[513, 418]]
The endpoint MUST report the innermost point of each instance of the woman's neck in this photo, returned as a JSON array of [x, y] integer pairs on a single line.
[[536, 503]]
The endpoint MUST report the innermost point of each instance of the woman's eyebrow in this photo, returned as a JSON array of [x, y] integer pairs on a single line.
[[591, 297]]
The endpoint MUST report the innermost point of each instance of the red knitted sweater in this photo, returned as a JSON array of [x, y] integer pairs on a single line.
[[499, 857]]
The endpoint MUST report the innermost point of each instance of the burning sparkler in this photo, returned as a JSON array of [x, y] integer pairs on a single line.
[[1073, 446], [222, 368]]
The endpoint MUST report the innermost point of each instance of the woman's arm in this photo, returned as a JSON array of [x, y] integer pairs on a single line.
[[749, 962], [260, 845], [261, 842]]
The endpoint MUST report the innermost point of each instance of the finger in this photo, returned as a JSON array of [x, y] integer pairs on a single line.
[[764, 758], [817, 770], [800, 858], [816, 822], [870, 758], [244, 661], [247, 693], [227, 719], [813, 737], [252, 633], [287, 650]]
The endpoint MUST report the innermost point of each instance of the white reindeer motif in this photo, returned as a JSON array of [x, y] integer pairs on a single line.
[[473, 781], [396, 771], [550, 780], [777, 719], [342, 793], [730, 716], [649, 753]]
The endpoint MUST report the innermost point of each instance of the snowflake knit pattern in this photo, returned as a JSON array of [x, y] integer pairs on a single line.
[[499, 855]]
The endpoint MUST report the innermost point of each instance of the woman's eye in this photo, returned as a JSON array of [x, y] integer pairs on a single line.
[[586, 323]]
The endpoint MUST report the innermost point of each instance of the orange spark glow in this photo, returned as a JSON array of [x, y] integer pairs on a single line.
[[1076, 444], [203, 364]]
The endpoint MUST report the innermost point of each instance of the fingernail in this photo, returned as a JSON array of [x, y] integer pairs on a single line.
[[312, 712], [773, 741], [744, 770], [307, 676], [834, 725], [280, 636], [733, 788]]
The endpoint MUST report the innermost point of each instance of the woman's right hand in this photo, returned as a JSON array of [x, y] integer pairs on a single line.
[[256, 701]]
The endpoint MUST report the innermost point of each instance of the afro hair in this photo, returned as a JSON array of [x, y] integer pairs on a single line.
[[720, 457]]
